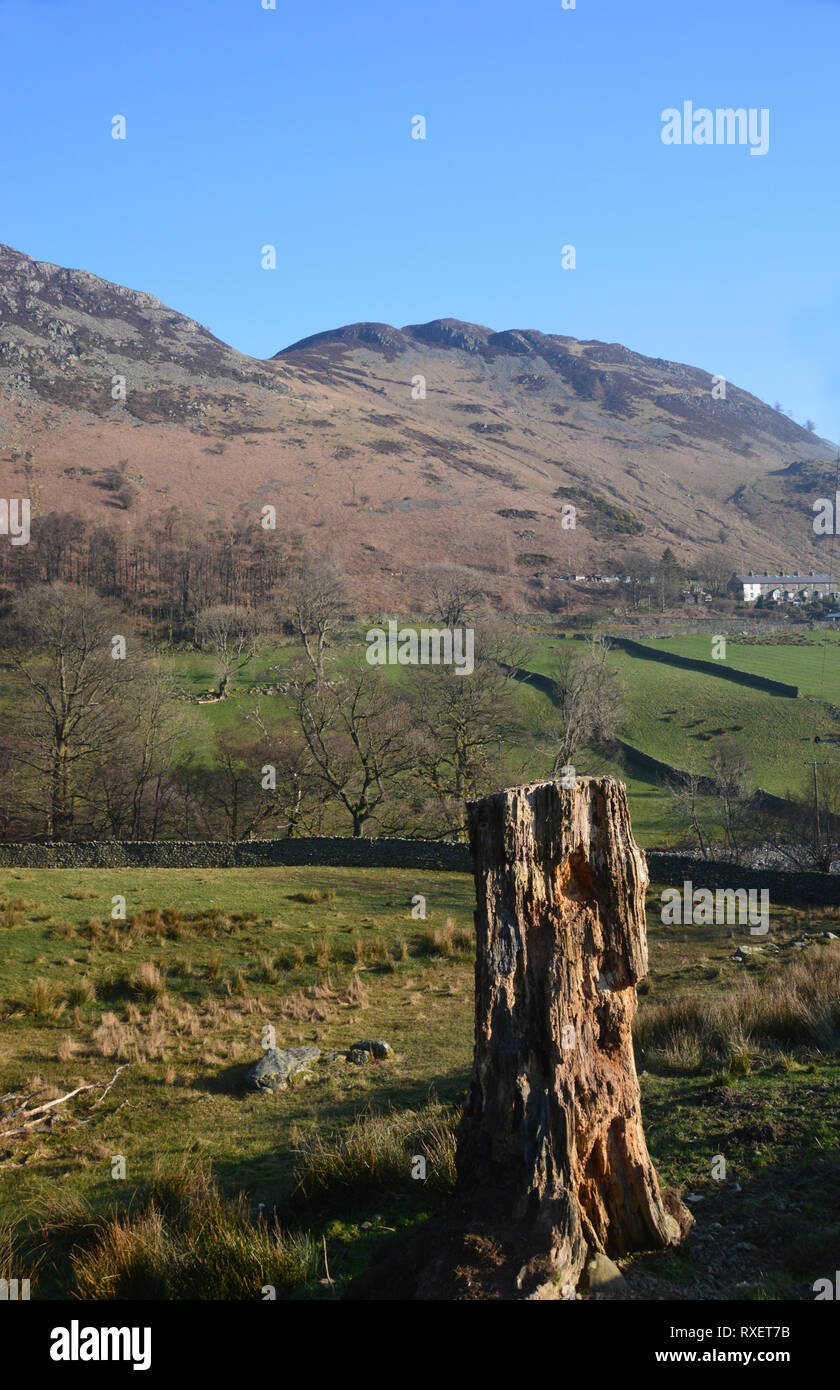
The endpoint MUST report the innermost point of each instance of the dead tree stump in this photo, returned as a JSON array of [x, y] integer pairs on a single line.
[[551, 1151]]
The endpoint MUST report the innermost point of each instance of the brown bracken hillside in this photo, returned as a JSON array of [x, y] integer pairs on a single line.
[[393, 449]]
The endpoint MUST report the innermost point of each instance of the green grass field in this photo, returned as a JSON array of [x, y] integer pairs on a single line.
[[810, 660], [681, 716], [183, 992], [326, 957]]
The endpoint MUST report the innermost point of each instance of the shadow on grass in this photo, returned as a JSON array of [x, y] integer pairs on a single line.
[[271, 1177], [232, 1081]]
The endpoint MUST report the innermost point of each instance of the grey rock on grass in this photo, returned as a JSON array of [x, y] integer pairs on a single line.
[[272, 1071]]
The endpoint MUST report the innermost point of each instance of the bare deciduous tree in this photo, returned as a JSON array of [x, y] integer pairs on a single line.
[[358, 735], [455, 592], [299, 796], [716, 571], [229, 795], [509, 647], [59, 644], [132, 790], [638, 569], [806, 834], [463, 725], [690, 802], [730, 771], [234, 635], [589, 697], [315, 601]]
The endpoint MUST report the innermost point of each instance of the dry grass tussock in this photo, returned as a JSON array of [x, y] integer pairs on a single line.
[[448, 941], [794, 1007], [179, 1239], [317, 1003], [142, 1041], [378, 1151]]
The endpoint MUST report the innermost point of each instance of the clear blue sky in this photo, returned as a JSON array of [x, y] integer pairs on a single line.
[[248, 126]]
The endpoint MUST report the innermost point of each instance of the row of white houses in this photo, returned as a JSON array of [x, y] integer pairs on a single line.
[[787, 588]]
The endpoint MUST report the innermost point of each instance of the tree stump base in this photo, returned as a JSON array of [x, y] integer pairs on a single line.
[[552, 1162]]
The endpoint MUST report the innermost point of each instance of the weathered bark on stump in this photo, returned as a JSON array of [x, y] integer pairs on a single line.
[[551, 1151]]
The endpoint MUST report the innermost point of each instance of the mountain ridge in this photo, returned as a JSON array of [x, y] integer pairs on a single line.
[[461, 431]]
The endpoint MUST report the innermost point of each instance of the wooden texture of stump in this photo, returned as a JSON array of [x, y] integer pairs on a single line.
[[551, 1150]]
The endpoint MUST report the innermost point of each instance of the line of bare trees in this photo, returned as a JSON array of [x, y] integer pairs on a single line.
[[99, 741], [164, 572]]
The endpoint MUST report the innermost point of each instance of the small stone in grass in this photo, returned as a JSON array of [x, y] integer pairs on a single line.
[[377, 1049]]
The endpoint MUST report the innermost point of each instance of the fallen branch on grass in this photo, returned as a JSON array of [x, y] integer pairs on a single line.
[[41, 1114]]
